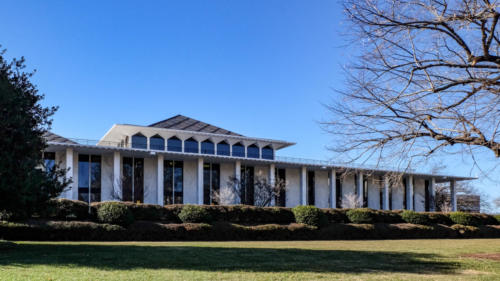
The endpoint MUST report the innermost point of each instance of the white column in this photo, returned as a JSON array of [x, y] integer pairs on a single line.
[[73, 192], [333, 189], [237, 176], [303, 186], [432, 195], [453, 194], [200, 181], [409, 192], [386, 193], [117, 181], [159, 182], [359, 187], [272, 181]]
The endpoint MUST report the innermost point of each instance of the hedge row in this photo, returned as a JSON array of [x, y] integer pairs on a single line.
[[63, 209], [154, 231]]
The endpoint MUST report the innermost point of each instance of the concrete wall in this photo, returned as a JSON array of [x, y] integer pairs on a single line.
[[397, 196], [74, 185], [226, 173], [107, 192], [190, 182], [61, 161], [348, 187], [374, 187], [419, 193], [321, 191], [293, 187], [150, 180]]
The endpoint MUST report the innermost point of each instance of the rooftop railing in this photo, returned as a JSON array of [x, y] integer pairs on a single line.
[[286, 159]]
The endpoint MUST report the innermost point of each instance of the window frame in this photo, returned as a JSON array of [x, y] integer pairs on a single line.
[[235, 153], [189, 145], [139, 145], [160, 147], [207, 150], [171, 146]]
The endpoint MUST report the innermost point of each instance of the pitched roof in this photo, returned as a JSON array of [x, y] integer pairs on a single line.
[[181, 122], [49, 136]]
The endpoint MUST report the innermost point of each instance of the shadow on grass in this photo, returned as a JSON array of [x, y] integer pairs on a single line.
[[130, 257]]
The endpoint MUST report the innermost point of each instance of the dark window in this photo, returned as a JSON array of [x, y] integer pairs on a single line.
[[191, 145], [223, 148], [356, 187], [89, 178], [174, 144], [49, 160], [381, 193], [207, 147], [365, 192], [238, 150], [247, 185], [127, 179], [310, 188], [157, 143], [280, 175], [338, 192], [253, 151], [404, 194], [139, 141], [133, 179], [390, 197], [173, 190], [427, 196], [211, 182], [267, 153]]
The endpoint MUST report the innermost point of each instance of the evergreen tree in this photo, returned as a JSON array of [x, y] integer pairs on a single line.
[[24, 185]]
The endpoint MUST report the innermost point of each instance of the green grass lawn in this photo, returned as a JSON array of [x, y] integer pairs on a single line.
[[295, 260]]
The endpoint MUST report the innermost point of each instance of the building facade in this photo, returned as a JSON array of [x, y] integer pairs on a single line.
[[181, 160]]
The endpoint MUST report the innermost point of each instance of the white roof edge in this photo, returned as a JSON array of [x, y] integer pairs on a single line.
[[262, 160], [107, 133]]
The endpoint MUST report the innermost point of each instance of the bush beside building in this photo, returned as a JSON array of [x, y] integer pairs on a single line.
[[117, 221]]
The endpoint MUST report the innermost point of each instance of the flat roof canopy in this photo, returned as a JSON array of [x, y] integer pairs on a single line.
[[281, 162]]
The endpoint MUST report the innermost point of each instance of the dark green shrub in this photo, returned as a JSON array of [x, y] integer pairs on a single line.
[[224, 231], [194, 214], [335, 215], [486, 219], [171, 213], [65, 209], [439, 218], [5, 215], [466, 231], [309, 215], [465, 219], [385, 216], [497, 217], [363, 215], [147, 212], [415, 217], [114, 213]]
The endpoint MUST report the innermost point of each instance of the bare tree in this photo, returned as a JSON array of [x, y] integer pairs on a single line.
[[351, 201], [496, 202], [230, 194], [426, 79], [265, 191]]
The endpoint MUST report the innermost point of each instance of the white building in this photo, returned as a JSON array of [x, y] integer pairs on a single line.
[[183, 161]]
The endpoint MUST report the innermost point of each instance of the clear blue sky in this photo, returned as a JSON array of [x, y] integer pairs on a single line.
[[259, 68]]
